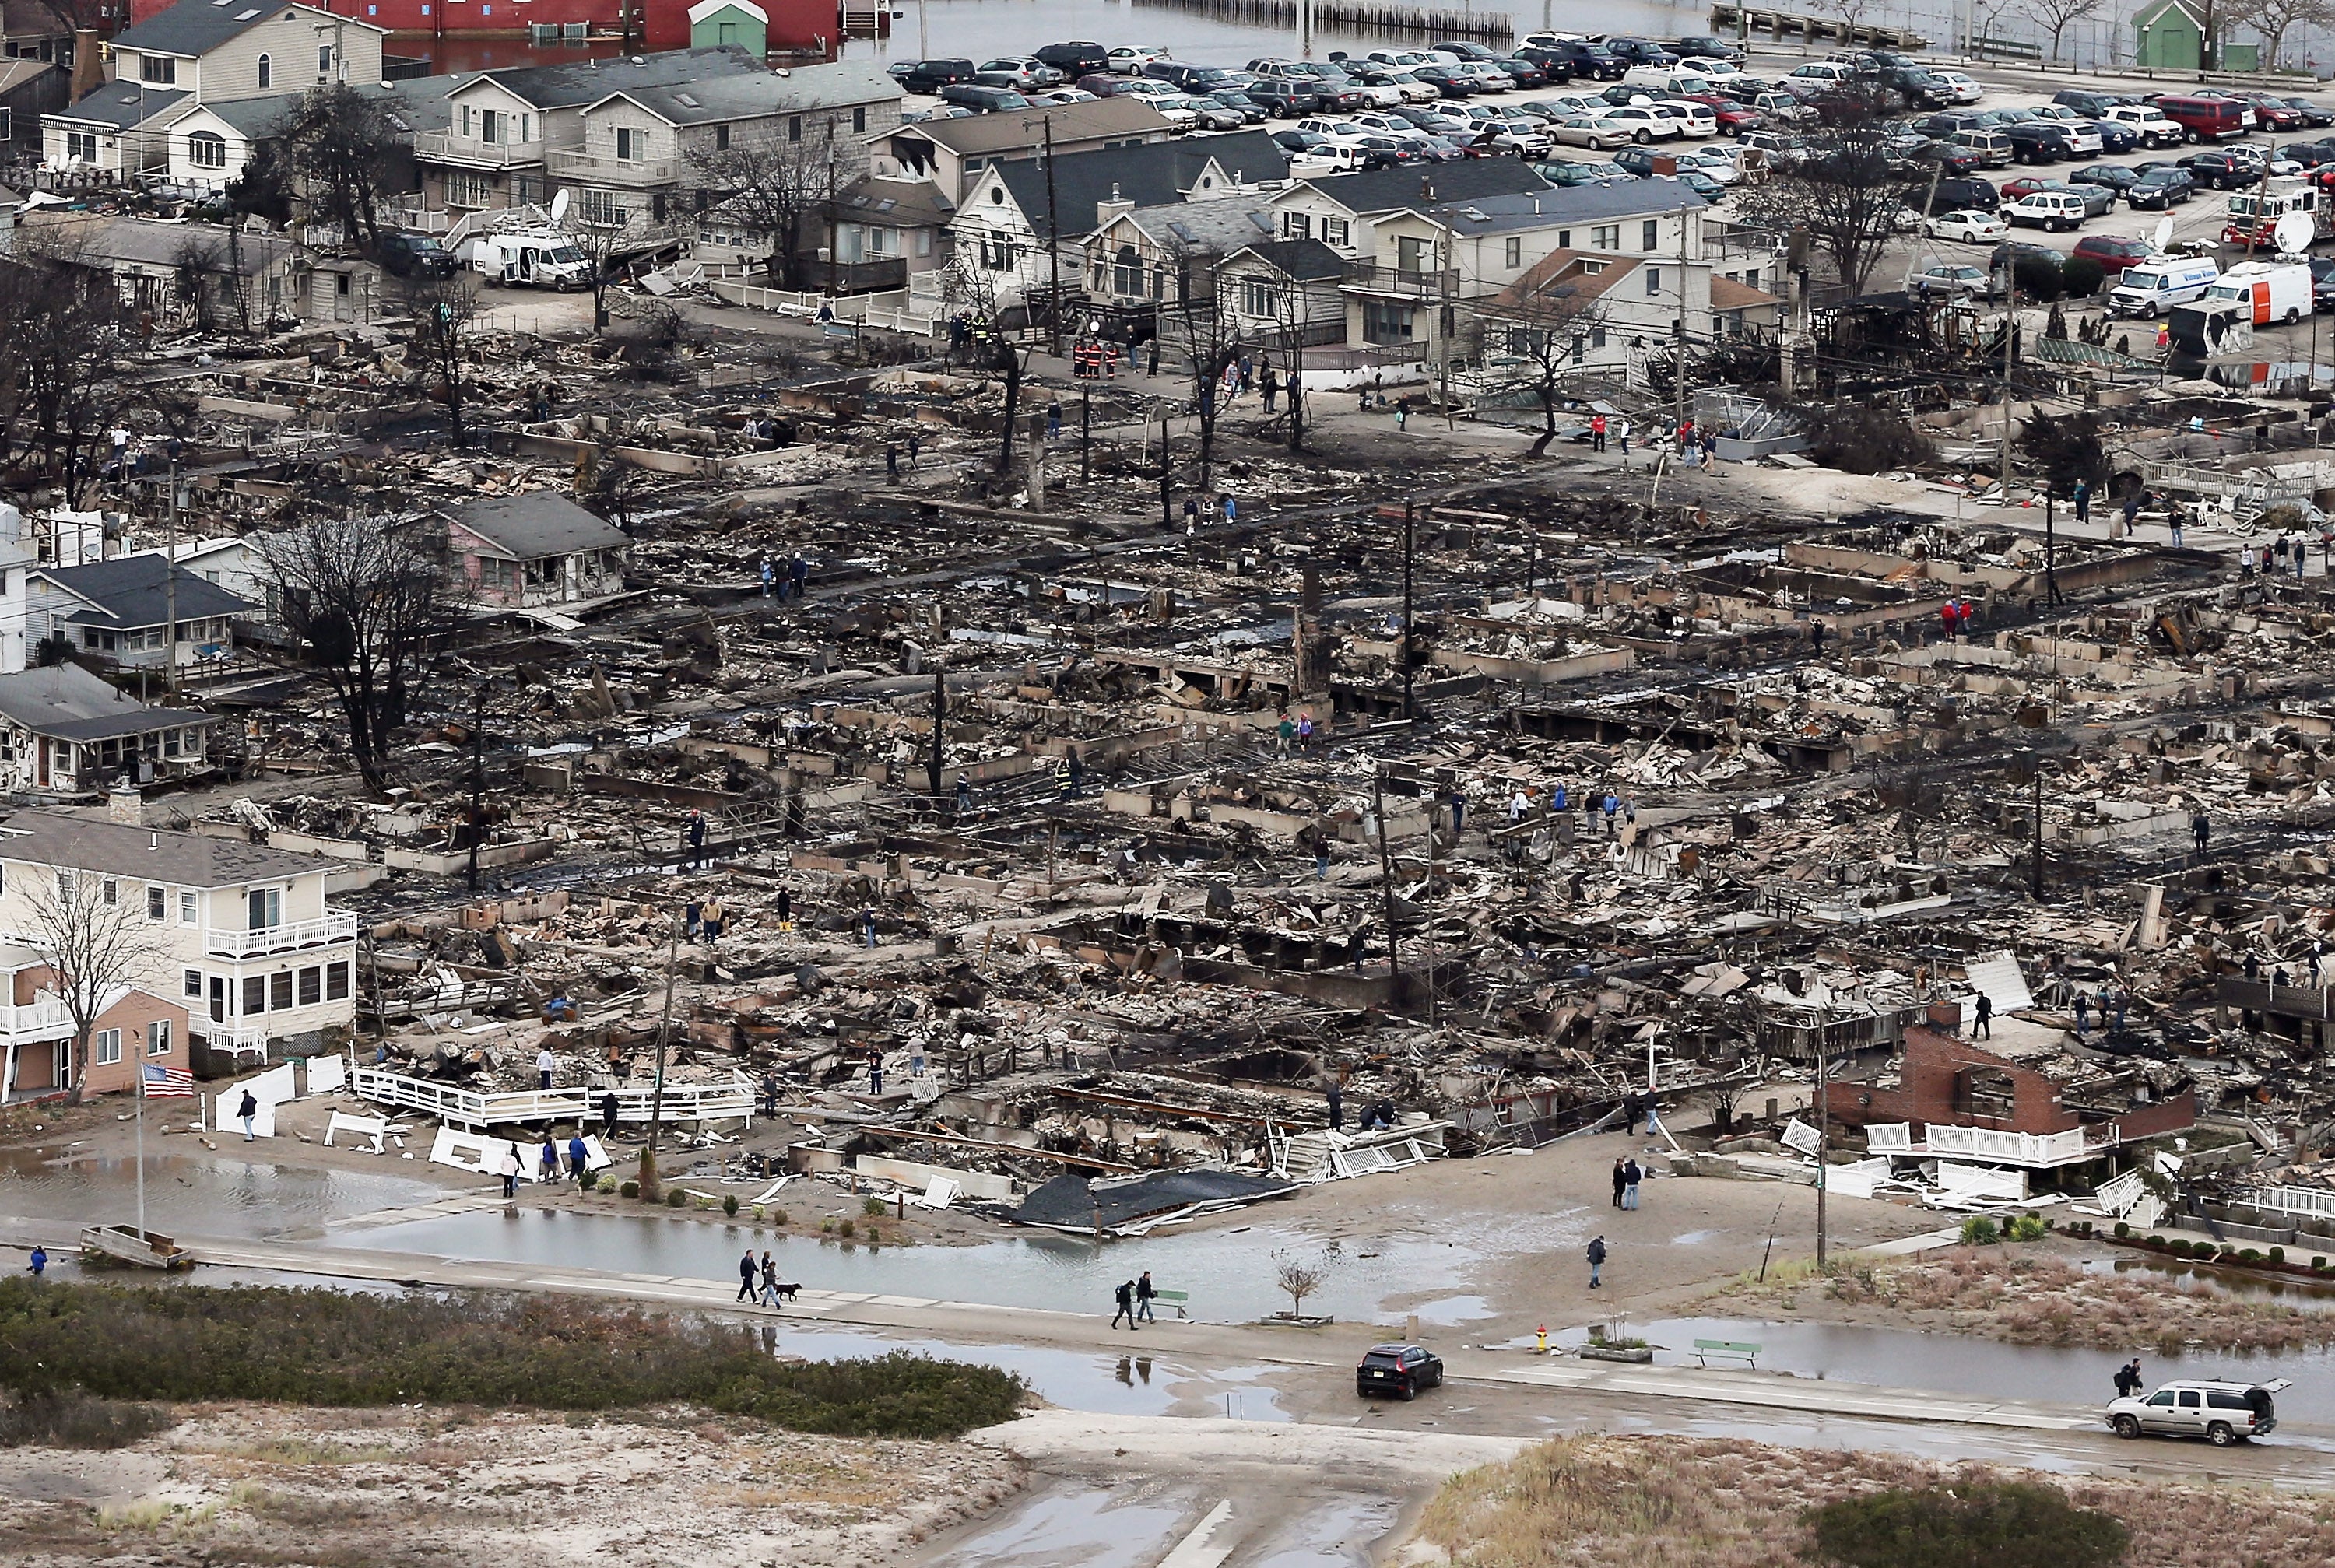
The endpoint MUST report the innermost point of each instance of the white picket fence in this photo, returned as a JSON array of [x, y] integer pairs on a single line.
[[887, 312]]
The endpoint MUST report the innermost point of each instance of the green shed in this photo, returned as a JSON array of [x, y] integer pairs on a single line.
[[738, 23], [2170, 36]]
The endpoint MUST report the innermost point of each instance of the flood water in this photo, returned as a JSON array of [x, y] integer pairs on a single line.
[[1950, 1364], [1229, 1274], [213, 1196]]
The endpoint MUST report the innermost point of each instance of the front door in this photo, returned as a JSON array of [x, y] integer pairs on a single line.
[[2157, 1415]]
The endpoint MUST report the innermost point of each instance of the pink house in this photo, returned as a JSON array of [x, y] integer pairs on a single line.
[[535, 550]]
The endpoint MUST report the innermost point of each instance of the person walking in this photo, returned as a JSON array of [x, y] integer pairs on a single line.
[[1144, 1292], [579, 1155], [1269, 383], [875, 1070], [39, 1261], [891, 460], [1075, 767], [1335, 1097], [769, 574], [694, 837], [2173, 521], [2200, 829], [784, 909], [1305, 731], [770, 1280], [2083, 497], [2083, 1012], [1597, 433], [546, 1161], [609, 1113], [543, 1064], [1622, 432], [1610, 805], [1125, 1296], [747, 1273], [1982, 1021], [1632, 1175], [1284, 733], [511, 1176], [963, 794], [715, 917], [867, 926], [1597, 1262], [244, 1111], [1621, 1177]]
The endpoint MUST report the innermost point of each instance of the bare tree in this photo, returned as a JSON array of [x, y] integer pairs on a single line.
[[2272, 19], [1528, 341], [774, 184], [599, 244], [92, 935], [2055, 17], [65, 341], [1209, 338], [370, 608], [1300, 1277], [443, 309], [1846, 189], [347, 155], [970, 290]]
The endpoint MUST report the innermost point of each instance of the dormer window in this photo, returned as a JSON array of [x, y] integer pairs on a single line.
[[158, 69]]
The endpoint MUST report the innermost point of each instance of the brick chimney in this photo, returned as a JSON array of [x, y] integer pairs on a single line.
[[89, 70]]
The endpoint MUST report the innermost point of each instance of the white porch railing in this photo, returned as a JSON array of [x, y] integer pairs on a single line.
[[470, 1109], [322, 931], [43, 1015], [894, 310], [2317, 1201]]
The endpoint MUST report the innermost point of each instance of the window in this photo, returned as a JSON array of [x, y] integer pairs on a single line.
[[1296, 225], [1750, 277], [324, 60], [1649, 234], [109, 1047], [158, 1038], [337, 981], [186, 909], [1410, 255], [628, 144], [192, 983], [267, 72], [1259, 297], [1654, 281], [207, 150], [603, 206], [159, 69], [493, 127], [112, 893], [255, 995], [859, 118], [279, 990], [80, 146], [266, 908], [1385, 323], [998, 254], [158, 903], [1605, 236], [494, 573], [1336, 231], [312, 986], [1513, 252], [465, 188], [720, 139], [794, 127], [1565, 239]]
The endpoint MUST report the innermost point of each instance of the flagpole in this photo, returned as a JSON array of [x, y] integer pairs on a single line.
[[141, 1142]]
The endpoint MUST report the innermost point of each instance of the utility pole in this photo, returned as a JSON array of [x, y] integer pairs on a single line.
[[2051, 549], [171, 584], [1386, 886], [1678, 376], [478, 779], [1053, 238], [2035, 879], [2009, 336], [1086, 431], [940, 721], [2261, 201], [1409, 711], [1166, 501], [664, 1036], [1824, 1145]]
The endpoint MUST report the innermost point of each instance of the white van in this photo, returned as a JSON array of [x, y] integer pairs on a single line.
[[2154, 286], [2275, 290], [1666, 81], [541, 258]]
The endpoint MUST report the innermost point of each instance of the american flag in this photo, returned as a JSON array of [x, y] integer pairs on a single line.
[[164, 1082]]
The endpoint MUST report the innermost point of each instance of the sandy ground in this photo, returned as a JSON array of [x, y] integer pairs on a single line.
[[264, 1483]]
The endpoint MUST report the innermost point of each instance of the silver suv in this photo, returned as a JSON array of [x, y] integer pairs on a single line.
[[2221, 1413]]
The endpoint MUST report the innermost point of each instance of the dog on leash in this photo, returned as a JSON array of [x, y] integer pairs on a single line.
[[787, 1292]]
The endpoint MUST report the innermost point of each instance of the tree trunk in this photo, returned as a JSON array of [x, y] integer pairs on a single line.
[[1012, 368], [79, 1065]]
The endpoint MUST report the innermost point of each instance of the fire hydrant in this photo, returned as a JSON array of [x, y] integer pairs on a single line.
[[1543, 1332]]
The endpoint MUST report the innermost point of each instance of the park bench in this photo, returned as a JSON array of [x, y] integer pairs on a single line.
[[1176, 1298], [1729, 1350]]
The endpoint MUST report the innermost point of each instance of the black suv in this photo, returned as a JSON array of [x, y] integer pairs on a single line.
[[408, 254], [1285, 96], [2091, 104], [2037, 140], [1920, 89], [1397, 1369], [2220, 170], [932, 75], [1642, 52], [1703, 47], [1555, 66], [1074, 60], [2163, 185], [1966, 194], [1591, 60]]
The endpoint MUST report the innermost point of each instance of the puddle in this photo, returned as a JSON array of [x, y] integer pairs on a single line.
[[1975, 1369], [1451, 1312], [246, 1199], [1087, 1529], [1341, 1534], [2305, 1294], [1229, 1274]]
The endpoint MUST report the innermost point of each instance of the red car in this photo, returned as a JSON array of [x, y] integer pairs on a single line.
[[2274, 115], [2028, 185], [2113, 251], [1734, 119]]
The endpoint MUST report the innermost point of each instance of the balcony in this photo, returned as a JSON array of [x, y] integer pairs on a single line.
[[468, 152], [590, 168], [45, 1016], [288, 938], [857, 276], [1399, 283]]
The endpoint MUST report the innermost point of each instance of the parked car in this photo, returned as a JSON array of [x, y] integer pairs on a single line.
[[1945, 278], [1064, 95], [1644, 123], [1021, 72], [1703, 46], [1238, 101], [1964, 193], [2147, 124], [2274, 115], [1968, 225], [2309, 154], [405, 254], [2161, 186], [1733, 119], [1955, 159], [2323, 284], [2114, 252], [1284, 97], [2097, 199], [1401, 1370], [1561, 172], [932, 75], [1966, 88], [1447, 80], [1075, 60], [2314, 115], [2222, 170], [1590, 61], [982, 99], [2202, 118], [2221, 1413], [2113, 177], [1642, 52], [2090, 105], [1129, 59], [2155, 286], [1554, 66], [2055, 209]]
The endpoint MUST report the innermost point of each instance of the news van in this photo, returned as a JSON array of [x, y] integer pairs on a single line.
[[2154, 286]]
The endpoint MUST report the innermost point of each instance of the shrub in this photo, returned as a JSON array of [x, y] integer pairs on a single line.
[[2249, 1255], [2081, 276], [873, 1207], [2179, 1248], [875, 1239], [2156, 1241], [844, 1227], [1861, 440], [68, 1418], [2278, 1254], [629, 1189], [730, 1205], [66, 1341], [1979, 1231], [2040, 280], [2003, 1524], [778, 1217], [2121, 1230], [2027, 1228], [2319, 1263], [826, 1227], [675, 1198]]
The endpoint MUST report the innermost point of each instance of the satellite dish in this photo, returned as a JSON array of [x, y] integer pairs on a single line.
[[2293, 233], [2163, 237], [559, 208]]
